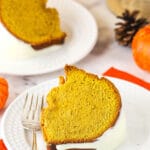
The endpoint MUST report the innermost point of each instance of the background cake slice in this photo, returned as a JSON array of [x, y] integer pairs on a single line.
[[80, 109], [32, 22]]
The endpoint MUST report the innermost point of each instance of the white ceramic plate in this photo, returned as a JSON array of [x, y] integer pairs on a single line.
[[81, 30], [136, 103]]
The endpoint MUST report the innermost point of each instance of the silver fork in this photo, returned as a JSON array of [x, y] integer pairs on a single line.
[[31, 114]]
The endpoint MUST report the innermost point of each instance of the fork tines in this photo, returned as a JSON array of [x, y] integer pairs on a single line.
[[32, 106]]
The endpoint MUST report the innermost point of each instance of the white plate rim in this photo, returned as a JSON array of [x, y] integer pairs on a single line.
[[15, 101]]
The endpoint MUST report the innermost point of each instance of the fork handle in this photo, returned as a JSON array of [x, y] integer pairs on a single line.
[[34, 142]]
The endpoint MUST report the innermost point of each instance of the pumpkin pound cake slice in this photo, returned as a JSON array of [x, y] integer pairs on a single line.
[[32, 22], [80, 109]]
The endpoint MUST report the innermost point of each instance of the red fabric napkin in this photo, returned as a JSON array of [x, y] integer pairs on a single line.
[[2, 145], [113, 72]]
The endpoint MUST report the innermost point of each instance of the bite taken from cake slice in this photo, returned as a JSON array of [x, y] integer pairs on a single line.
[[31, 22], [80, 109]]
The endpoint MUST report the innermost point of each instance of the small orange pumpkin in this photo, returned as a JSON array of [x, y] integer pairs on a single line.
[[141, 48], [3, 92]]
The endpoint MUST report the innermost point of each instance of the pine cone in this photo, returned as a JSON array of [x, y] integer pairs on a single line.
[[125, 30]]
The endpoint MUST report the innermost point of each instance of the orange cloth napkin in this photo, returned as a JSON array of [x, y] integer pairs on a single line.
[[2, 146], [113, 72]]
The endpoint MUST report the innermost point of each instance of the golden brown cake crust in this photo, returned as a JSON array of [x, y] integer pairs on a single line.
[[93, 138], [49, 43]]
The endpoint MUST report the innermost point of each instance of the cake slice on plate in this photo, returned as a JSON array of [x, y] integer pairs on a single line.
[[32, 22], [80, 109]]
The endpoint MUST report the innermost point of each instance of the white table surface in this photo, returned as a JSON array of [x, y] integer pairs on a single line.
[[105, 54]]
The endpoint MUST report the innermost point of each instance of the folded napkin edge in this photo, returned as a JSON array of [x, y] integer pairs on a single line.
[[113, 72]]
